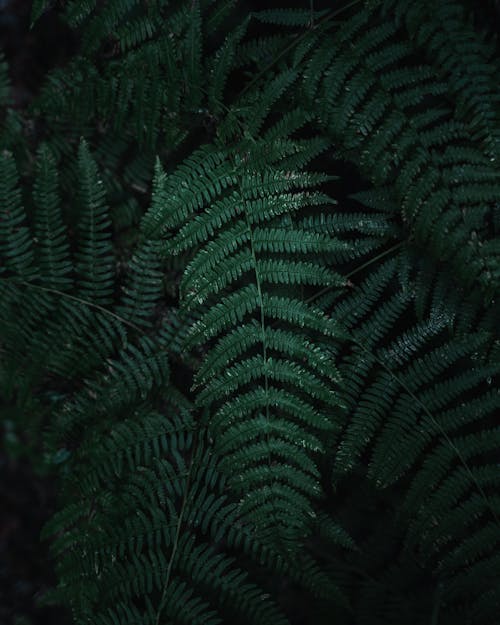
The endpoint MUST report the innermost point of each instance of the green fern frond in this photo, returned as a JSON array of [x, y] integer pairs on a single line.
[[193, 42], [410, 413], [251, 282], [38, 9], [289, 17], [94, 258], [144, 285], [220, 65], [166, 530], [136, 31], [367, 104], [52, 248], [272, 92], [263, 405], [76, 11], [447, 36], [16, 246], [4, 82]]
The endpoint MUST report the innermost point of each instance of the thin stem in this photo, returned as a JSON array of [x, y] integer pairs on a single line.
[[357, 270], [406, 388], [76, 299], [327, 18], [436, 604], [264, 357], [434, 421], [262, 324], [175, 546], [311, 10], [396, 246]]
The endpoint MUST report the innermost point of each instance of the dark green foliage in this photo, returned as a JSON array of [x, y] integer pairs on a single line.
[[264, 375], [265, 368]]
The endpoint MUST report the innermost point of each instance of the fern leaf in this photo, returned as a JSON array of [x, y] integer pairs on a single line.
[[289, 17], [220, 66], [16, 245], [143, 289], [94, 258], [193, 42], [281, 359], [53, 246]]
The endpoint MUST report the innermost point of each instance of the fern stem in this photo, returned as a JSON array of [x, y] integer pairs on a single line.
[[396, 246], [357, 270], [435, 422], [436, 604], [175, 546], [76, 299], [264, 354], [403, 385], [262, 325], [295, 42]]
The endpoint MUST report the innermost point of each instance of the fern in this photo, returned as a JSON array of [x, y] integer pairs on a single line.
[[166, 530], [16, 243], [374, 116], [262, 404], [256, 375], [447, 38]]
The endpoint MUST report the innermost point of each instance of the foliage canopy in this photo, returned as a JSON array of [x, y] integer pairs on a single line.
[[249, 292]]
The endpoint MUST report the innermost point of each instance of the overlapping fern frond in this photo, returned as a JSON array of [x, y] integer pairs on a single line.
[[445, 34], [378, 103], [143, 553], [268, 374], [296, 334], [154, 535], [61, 308], [421, 417]]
